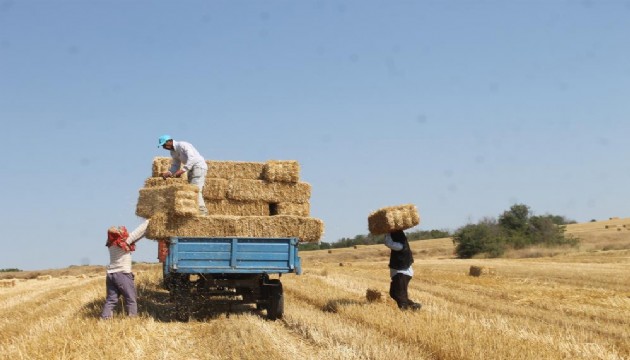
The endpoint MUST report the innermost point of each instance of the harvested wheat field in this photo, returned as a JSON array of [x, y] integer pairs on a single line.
[[572, 304]]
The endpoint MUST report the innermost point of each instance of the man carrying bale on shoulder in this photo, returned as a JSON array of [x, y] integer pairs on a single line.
[[193, 163], [400, 269], [391, 221], [120, 279]]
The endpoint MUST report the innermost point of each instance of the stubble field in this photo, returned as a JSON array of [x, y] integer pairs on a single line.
[[567, 304]]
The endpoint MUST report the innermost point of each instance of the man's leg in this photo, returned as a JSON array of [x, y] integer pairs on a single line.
[[128, 290], [111, 299], [197, 177], [398, 290]]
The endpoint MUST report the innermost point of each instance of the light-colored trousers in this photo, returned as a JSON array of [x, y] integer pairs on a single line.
[[197, 176]]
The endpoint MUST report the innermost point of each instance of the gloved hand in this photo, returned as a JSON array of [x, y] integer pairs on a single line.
[[166, 174], [179, 172]]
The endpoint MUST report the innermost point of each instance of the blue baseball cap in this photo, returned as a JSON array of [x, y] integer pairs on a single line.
[[163, 139]]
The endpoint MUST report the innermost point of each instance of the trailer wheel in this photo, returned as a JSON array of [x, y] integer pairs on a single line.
[[275, 309]]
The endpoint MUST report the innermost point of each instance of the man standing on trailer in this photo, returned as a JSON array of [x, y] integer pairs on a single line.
[[185, 154]]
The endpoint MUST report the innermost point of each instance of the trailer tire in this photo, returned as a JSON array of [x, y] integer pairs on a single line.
[[275, 309]]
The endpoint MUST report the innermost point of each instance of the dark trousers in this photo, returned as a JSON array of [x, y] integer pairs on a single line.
[[117, 284], [398, 290]]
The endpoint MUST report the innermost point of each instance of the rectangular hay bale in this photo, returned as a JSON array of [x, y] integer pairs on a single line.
[[162, 164], [393, 218], [290, 208], [159, 181], [237, 208], [235, 169], [281, 171], [306, 229], [273, 192], [178, 199], [215, 188]]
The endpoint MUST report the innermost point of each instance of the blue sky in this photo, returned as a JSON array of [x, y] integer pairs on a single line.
[[463, 108]]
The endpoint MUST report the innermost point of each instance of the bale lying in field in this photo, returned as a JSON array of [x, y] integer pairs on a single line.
[[176, 199], [393, 218], [481, 270], [8, 283], [281, 171], [373, 295], [44, 277], [306, 229]]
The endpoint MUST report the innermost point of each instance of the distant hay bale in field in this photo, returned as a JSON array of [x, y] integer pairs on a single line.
[[235, 169], [215, 189], [176, 199], [273, 192], [6, 283], [393, 218], [340, 264], [373, 295], [44, 277], [307, 230], [82, 276], [330, 251], [281, 171], [237, 208], [481, 270]]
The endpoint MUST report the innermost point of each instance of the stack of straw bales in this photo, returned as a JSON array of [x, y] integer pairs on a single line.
[[244, 199], [393, 218]]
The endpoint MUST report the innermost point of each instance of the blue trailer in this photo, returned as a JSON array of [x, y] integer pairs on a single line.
[[229, 270]]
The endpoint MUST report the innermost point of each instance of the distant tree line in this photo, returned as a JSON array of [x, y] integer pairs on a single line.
[[514, 229], [10, 270], [374, 239]]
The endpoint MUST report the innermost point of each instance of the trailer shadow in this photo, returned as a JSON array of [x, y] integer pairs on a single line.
[[158, 305]]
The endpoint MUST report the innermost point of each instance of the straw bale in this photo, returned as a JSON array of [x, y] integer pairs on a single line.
[[481, 270], [160, 165], [373, 295], [306, 229], [8, 282], [291, 208], [235, 169], [44, 277], [159, 181], [215, 189], [238, 208], [393, 218], [281, 171], [176, 199], [273, 192]]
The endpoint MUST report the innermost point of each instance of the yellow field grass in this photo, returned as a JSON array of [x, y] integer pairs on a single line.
[[573, 304]]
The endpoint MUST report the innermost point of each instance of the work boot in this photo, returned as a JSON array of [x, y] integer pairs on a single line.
[[410, 305]]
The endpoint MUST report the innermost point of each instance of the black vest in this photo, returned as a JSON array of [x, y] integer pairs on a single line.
[[400, 260]]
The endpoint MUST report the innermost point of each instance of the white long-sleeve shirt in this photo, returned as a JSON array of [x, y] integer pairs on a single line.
[[186, 154], [119, 259], [396, 246]]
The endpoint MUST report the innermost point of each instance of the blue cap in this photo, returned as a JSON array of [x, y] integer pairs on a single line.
[[163, 139]]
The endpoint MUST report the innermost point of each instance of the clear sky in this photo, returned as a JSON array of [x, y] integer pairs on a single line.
[[463, 108]]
